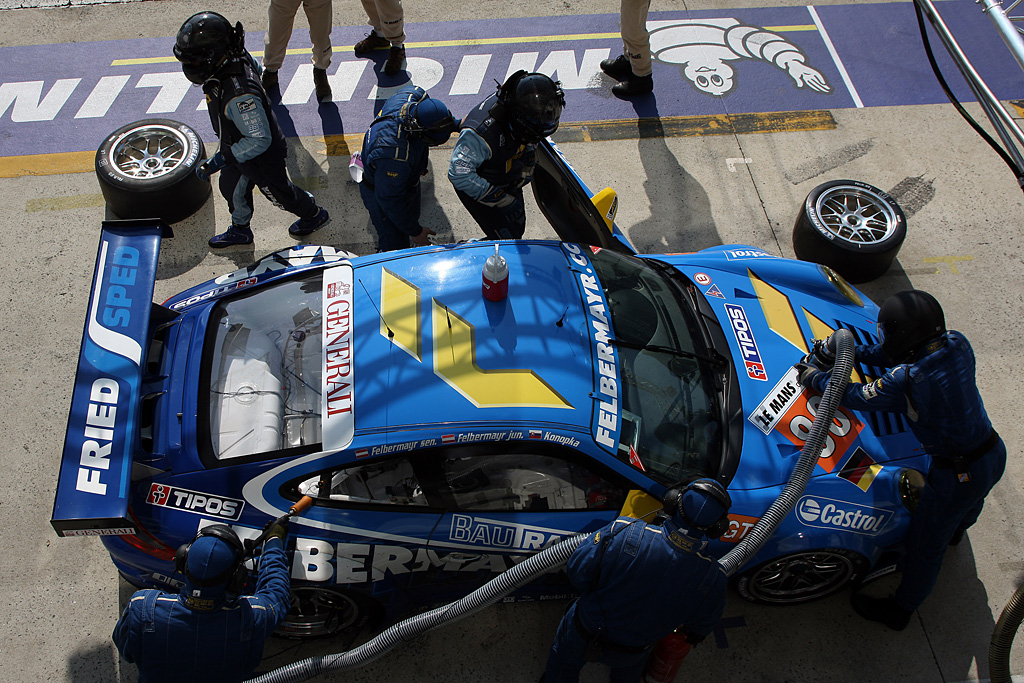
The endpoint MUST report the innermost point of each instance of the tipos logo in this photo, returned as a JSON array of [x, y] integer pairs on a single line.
[[826, 513]]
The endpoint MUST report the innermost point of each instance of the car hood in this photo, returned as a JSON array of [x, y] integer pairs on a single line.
[[770, 309]]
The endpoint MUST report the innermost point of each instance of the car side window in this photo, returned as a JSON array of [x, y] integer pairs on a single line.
[[392, 482], [526, 482]]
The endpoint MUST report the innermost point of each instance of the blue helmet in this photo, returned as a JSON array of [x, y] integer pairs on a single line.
[[212, 565], [431, 120], [702, 506]]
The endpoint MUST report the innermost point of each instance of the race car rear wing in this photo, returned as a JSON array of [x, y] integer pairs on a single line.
[[102, 431]]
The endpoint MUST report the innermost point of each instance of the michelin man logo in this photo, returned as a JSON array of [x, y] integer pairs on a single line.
[[703, 49]]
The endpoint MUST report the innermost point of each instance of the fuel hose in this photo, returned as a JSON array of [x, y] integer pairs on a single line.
[[1002, 638], [558, 554]]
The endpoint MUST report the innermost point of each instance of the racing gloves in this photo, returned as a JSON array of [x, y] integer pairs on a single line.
[[211, 166], [277, 528], [806, 374]]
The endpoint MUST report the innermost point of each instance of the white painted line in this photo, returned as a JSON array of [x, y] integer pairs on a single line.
[[835, 57]]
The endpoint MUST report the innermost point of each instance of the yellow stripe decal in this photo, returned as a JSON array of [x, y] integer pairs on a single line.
[[400, 311], [455, 363], [778, 312]]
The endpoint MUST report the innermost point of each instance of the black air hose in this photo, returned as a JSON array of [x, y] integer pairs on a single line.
[[1002, 638]]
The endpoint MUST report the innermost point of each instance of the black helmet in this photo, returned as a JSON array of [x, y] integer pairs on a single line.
[[535, 105], [908, 321], [431, 120], [205, 41]]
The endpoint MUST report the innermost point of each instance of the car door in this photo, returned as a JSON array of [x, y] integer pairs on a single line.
[[507, 501]]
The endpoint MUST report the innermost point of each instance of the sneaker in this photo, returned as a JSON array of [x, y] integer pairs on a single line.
[[371, 42], [618, 68], [269, 79], [234, 235], [322, 83], [305, 226], [395, 60], [633, 85], [883, 610]]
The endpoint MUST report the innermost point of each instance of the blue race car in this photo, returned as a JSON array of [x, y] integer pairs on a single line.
[[444, 437]]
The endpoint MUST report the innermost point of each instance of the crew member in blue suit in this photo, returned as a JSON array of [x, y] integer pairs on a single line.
[[639, 582], [496, 153], [394, 155], [208, 632], [252, 147], [930, 379]]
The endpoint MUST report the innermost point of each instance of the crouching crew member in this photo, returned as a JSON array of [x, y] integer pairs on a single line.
[[252, 147], [931, 381], [208, 632], [639, 582], [395, 154], [496, 152]]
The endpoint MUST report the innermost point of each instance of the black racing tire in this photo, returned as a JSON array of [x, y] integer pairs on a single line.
[[320, 611], [801, 577], [852, 227], [147, 169]]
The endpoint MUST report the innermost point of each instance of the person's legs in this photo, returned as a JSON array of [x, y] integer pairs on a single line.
[[566, 657], [320, 15], [281, 19], [636, 41], [389, 237], [491, 219]]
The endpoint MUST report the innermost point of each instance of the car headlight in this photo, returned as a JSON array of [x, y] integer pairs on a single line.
[[909, 484], [842, 286]]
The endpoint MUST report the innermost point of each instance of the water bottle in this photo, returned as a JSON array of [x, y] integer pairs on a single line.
[[495, 277]]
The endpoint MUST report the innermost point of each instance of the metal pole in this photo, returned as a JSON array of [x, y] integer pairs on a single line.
[[1011, 36], [1008, 130]]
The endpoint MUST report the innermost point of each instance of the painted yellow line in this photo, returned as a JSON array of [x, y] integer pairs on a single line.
[[82, 201], [585, 131], [466, 42]]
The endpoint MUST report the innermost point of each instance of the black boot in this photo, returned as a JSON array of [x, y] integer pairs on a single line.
[[322, 84], [633, 86], [883, 610], [617, 68]]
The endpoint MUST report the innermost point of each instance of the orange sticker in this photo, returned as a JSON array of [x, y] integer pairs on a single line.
[[795, 425], [739, 526]]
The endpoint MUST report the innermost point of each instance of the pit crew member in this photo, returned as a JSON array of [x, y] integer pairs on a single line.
[[395, 153], [495, 154], [208, 632], [931, 381], [252, 147], [639, 582]]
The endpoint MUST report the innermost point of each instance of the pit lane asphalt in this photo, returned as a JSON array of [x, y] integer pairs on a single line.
[[61, 596]]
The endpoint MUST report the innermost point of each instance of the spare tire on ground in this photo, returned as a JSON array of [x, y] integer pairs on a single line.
[[147, 169], [852, 227]]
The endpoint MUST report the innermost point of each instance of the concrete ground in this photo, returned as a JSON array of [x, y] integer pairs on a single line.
[[965, 214]]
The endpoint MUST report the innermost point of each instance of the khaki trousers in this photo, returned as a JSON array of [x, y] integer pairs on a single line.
[[636, 41], [319, 14], [387, 19]]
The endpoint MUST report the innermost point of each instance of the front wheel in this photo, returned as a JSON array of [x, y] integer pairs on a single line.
[[801, 577], [852, 227], [316, 612]]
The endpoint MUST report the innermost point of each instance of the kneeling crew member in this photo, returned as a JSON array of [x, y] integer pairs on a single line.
[[208, 632], [931, 381], [496, 153], [395, 153], [640, 582]]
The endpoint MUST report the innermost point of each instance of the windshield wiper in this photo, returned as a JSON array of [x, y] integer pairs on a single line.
[[716, 360]]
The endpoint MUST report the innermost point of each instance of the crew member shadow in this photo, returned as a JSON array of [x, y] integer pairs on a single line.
[[957, 616], [680, 210]]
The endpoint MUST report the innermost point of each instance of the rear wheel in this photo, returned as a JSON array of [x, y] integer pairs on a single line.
[[850, 226], [801, 577], [146, 169], [316, 612]]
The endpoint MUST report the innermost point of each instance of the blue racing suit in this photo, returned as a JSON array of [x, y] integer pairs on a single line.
[[392, 165], [938, 393], [638, 583], [489, 169], [170, 641], [252, 144]]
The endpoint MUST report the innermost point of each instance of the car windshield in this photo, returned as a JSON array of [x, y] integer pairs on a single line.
[[262, 362], [670, 418]]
